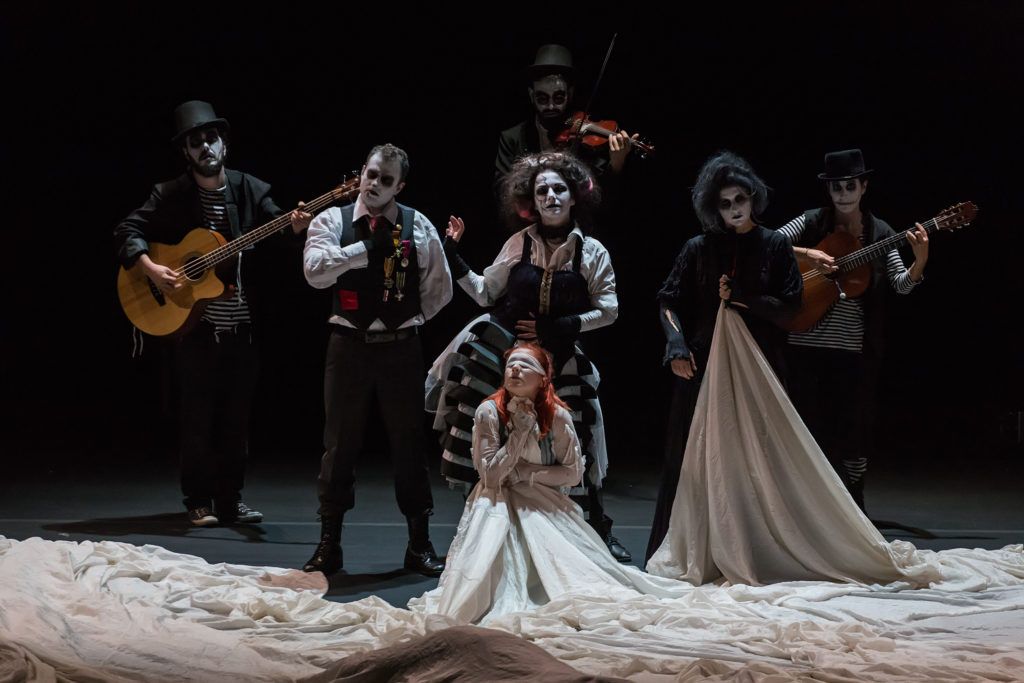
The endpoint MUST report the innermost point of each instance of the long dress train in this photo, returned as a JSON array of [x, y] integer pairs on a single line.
[[524, 545], [757, 501]]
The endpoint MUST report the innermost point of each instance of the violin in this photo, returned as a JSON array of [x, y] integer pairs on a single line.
[[595, 134]]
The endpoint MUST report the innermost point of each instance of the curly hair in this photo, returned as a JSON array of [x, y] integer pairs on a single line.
[[517, 200], [389, 152], [722, 170], [545, 401]]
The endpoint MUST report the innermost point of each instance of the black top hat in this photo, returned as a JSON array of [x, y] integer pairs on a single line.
[[844, 165], [195, 114], [551, 59]]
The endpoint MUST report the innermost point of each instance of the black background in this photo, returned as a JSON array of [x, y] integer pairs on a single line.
[[929, 91]]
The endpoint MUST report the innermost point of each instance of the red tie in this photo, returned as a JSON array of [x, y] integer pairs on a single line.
[[378, 222]]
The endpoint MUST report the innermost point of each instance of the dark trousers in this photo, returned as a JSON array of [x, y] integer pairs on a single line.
[[358, 376], [684, 402], [833, 390], [217, 374]]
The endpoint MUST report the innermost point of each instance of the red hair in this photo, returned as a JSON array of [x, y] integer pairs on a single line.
[[545, 401]]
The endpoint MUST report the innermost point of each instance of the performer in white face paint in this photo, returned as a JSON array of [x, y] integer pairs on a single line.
[[387, 273], [734, 260], [217, 359], [844, 348], [549, 284], [549, 86]]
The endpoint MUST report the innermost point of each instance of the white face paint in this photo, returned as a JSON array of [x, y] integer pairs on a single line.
[[846, 194], [523, 375], [552, 198], [550, 96], [379, 181], [734, 207], [205, 150]]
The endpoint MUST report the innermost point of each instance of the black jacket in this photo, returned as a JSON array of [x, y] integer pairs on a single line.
[[174, 208]]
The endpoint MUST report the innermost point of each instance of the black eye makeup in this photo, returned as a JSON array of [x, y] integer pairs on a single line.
[[559, 188], [386, 181], [543, 98], [197, 139], [849, 186], [726, 204]]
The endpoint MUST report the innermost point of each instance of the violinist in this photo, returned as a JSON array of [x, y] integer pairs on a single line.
[[549, 85]]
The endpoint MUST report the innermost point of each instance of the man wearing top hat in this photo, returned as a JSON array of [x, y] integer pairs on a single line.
[[386, 269], [549, 85], [217, 360], [833, 366]]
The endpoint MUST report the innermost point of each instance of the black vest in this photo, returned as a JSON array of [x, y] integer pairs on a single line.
[[531, 289], [359, 293]]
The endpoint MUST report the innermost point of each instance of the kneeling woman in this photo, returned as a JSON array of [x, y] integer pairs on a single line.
[[549, 283], [522, 542]]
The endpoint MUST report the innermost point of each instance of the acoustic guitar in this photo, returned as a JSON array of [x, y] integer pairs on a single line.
[[823, 290], [204, 262]]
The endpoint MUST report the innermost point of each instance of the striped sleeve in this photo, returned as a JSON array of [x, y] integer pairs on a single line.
[[899, 276], [794, 229]]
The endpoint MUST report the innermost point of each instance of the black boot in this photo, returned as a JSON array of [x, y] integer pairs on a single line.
[[327, 557], [420, 556], [615, 547]]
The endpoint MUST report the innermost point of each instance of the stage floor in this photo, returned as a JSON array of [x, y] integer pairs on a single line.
[[976, 503]]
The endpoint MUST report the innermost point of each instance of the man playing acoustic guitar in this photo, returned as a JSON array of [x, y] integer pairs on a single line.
[[834, 363], [217, 359]]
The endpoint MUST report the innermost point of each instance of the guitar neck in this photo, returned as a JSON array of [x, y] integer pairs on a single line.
[[872, 251], [237, 245]]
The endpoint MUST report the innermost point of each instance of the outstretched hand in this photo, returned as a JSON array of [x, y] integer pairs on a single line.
[[456, 226]]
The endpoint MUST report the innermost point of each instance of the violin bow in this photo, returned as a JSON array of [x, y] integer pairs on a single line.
[[593, 93]]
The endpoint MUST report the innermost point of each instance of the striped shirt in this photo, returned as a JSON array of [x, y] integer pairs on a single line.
[[223, 313], [843, 326]]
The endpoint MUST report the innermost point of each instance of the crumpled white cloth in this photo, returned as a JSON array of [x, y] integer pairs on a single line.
[[113, 611], [757, 501]]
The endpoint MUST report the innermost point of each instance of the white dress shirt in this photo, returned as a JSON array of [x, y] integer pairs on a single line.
[[324, 259], [595, 267]]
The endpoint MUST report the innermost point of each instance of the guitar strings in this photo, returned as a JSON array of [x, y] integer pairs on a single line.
[[868, 253], [193, 269], [212, 258]]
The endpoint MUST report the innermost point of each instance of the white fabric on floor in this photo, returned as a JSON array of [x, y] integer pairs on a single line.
[[757, 501], [112, 611]]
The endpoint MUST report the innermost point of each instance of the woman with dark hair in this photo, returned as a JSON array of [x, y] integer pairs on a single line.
[[549, 283], [737, 261], [755, 500], [522, 542]]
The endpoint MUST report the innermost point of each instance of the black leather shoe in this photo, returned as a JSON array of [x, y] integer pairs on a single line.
[[617, 550], [327, 558], [238, 513], [426, 563], [202, 516]]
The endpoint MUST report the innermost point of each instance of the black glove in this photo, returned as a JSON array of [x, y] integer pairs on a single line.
[[558, 332], [456, 264], [382, 240]]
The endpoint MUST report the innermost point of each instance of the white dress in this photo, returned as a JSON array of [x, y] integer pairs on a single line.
[[757, 501], [524, 545]]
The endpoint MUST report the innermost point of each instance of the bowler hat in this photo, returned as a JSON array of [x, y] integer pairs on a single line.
[[551, 59], [194, 114], [844, 165]]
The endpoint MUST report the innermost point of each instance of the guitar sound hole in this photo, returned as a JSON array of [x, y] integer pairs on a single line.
[[193, 273]]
